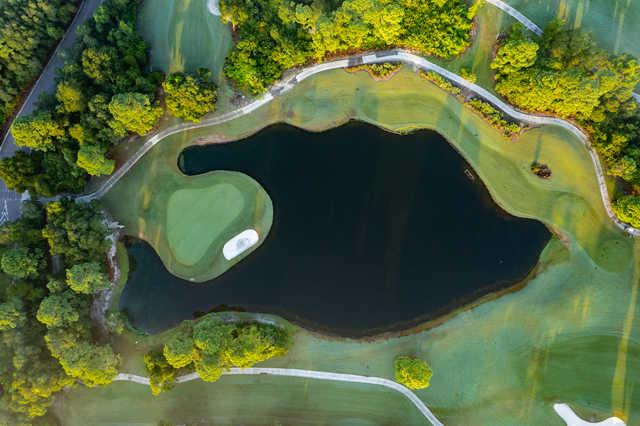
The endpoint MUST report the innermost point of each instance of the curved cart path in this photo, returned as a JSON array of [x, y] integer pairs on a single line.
[[307, 374], [396, 55]]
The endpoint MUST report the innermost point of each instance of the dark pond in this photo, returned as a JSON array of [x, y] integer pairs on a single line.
[[372, 231]]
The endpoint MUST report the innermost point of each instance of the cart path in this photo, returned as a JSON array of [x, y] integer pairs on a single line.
[[307, 374], [395, 55]]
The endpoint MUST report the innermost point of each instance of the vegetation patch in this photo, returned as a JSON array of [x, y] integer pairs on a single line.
[[441, 82], [275, 36], [382, 71], [496, 118], [47, 341], [29, 29], [211, 346]]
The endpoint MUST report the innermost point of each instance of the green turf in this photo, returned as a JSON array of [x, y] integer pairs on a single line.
[[198, 218], [503, 362], [184, 35], [187, 220], [236, 400]]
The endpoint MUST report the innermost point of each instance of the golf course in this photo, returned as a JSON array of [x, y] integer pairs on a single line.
[[339, 238]]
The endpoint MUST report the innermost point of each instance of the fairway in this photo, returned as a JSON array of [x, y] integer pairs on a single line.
[[184, 35], [197, 219]]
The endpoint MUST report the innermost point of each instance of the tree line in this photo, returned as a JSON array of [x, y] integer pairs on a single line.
[[46, 339], [29, 29], [103, 94], [566, 74], [275, 35], [210, 346]]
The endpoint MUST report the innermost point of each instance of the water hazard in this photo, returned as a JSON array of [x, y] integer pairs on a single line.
[[372, 231]]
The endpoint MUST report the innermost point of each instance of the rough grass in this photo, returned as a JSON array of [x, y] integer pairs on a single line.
[[187, 220], [570, 335]]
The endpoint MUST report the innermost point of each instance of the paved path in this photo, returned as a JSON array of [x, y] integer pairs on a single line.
[[572, 419], [397, 55], [307, 374], [528, 23], [9, 200]]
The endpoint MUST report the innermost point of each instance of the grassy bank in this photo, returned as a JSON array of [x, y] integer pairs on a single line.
[[568, 336]]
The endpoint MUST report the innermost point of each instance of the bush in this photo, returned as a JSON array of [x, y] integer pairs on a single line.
[[440, 81], [414, 373], [493, 116]]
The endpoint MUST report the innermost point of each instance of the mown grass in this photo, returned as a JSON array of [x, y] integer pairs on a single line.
[[613, 23], [570, 335], [187, 220]]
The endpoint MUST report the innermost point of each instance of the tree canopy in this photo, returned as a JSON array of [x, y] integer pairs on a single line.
[[190, 96], [277, 35], [414, 373], [28, 30], [211, 346]]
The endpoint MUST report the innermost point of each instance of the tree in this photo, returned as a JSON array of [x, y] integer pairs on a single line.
[[87, 278], [70, 98], [75, 231], [11, 314], [38, 131], [23, 262], [515, 53], [627, 209], [190, 97], [92, 159], [414, 373], [161, 374], [60, 309], [180, 350], [134, 112]]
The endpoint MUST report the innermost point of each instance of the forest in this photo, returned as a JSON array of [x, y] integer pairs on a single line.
[[566, 74], [275, 35], [29, 30], [103, 94], [53, 259]]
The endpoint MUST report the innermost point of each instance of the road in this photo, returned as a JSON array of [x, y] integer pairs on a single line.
[[307, 374], [9, 200], [396, 55]]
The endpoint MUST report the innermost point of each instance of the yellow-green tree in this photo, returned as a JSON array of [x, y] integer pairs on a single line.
[[414, 373]]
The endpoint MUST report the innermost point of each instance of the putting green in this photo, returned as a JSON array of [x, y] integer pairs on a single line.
[[188, 219], [197, 219]]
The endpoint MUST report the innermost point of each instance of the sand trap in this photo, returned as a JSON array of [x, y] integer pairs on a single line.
[[214, 7], [572, 419], [240, 243]]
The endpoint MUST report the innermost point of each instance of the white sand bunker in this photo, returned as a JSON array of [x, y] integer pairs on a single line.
[[572, 419], [214, 7], [240, 243]]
